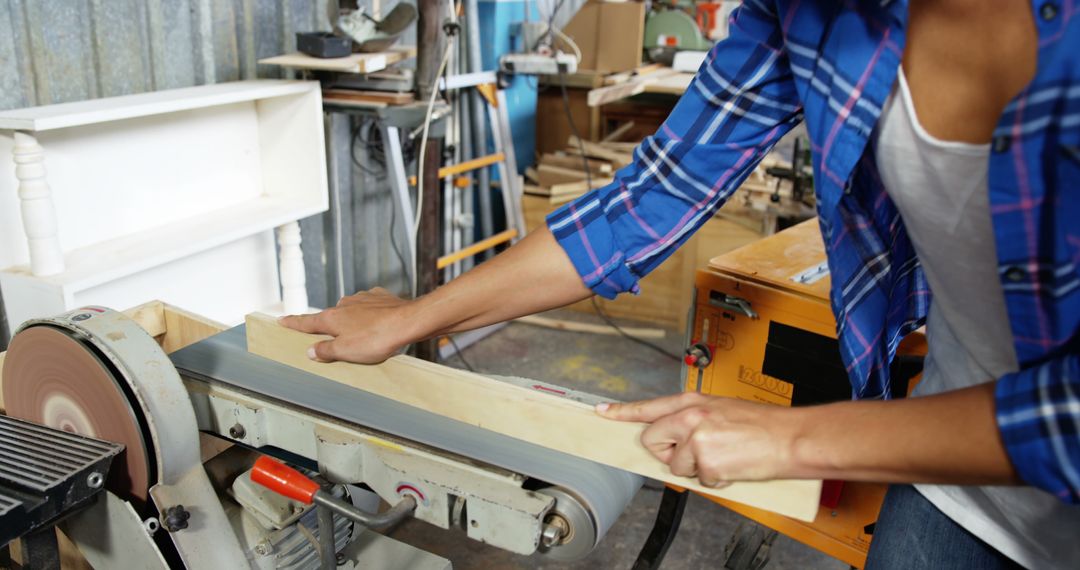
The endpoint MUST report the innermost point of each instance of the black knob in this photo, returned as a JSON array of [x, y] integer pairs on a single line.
[[175, 518]]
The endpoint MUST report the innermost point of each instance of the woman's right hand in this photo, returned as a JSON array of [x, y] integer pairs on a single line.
[[368, 327]]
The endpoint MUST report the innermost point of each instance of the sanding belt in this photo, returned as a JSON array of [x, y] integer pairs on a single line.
[[224, 358]]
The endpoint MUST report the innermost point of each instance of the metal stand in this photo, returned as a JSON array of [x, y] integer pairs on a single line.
[[40, 550], [668, 519]]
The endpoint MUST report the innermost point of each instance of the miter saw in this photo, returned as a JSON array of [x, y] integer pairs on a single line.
[[176, 501]]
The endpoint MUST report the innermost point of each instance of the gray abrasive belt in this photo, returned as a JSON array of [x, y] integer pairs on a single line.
[[224, 358]]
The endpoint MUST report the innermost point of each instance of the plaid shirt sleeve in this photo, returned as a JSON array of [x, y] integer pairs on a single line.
[[741, 102], [1038, 414]]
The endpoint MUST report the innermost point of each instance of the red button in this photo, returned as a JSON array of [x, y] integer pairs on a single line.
[[690, 360]]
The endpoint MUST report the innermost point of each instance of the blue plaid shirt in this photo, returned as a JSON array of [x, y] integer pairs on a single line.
[[832, 64]]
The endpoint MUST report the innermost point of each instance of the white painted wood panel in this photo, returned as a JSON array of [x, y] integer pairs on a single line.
[[144, 184]]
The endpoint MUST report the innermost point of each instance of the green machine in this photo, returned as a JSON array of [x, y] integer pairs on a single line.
[[670, 28]]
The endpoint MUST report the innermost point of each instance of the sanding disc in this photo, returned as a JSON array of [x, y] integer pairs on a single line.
[[52, 379]]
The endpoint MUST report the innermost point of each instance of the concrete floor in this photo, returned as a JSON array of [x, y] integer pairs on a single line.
[[614, 367]]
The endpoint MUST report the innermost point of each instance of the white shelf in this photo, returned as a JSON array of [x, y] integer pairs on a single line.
[[95, 111], [115, 259], [171, 195]]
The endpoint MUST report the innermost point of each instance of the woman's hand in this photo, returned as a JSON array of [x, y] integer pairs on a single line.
[[718, 440], [367, 327], [948, 438], [532, 276]]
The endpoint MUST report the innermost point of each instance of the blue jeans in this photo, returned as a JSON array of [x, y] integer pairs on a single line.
[[912, 534]]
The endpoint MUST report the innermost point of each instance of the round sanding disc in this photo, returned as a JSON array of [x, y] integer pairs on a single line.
[[52, 379]]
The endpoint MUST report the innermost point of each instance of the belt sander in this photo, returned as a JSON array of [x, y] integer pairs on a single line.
[[198, 414]]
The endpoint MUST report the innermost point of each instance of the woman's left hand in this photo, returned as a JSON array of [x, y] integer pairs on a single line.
[[718, 440]]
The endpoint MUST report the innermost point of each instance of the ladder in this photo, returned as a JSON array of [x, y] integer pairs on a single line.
[[486, 83]]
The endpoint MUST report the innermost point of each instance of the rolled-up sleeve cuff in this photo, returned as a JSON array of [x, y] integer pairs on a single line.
[[1037, 415], [583, 232]]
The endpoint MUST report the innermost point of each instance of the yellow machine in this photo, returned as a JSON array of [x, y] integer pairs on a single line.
[[763, 331]]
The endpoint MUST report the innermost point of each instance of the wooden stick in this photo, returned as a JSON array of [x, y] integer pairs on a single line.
[[579, 187], [620, 159], [619, 132], [562, 325], [602, 95], [529, 415]]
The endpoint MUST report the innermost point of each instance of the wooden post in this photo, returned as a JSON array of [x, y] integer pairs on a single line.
[[38, 212], [429, 242], [430, 44], [291, 269]]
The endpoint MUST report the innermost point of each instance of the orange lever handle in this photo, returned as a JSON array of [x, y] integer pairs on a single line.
[[284, 480]]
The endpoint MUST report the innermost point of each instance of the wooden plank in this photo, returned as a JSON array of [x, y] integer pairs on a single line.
[[354, 63], [579, 187], [625, 147], [548, 175], [619, 159], [637, 85], [351, 95], [574, 326], [615, 135], [574, 162], [628, 75], [543, 419], [671, 85]]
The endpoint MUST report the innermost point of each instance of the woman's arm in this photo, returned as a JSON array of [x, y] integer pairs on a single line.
[[946, 438], [741, 102], [532, 276]]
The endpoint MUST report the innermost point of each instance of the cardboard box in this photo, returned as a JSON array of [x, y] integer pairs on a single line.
[[609, 34]]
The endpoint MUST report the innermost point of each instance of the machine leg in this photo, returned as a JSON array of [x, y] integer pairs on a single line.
[[750, 547], [668, 519], [40, 550], [326, 538]]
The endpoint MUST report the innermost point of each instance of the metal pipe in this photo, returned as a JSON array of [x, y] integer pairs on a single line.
[[396, 514], [327, 556], [479, 129]]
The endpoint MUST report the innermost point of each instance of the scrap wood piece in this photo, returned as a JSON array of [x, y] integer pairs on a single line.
[[619, 159], [578, 188], [625, 147], [551, 175], [532, 416], [615, 135], [641, 71], [350, 95], [574, 162], [635, 86], [574, 326], [353, 63]]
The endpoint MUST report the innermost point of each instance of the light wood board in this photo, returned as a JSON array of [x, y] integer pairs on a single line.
[[543, 419], [355, 63]]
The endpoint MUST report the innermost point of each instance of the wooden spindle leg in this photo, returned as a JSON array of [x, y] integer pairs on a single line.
[[291, 271], [38, 212]]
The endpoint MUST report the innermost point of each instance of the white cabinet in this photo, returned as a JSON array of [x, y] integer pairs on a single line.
[[171, 195]]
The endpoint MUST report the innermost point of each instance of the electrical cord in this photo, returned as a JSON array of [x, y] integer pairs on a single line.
[[374, 153], [457, 351], [423, 151], [642, 342], [588, 182]]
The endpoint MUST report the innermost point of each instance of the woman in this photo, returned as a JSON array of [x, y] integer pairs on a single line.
[[945, 137]]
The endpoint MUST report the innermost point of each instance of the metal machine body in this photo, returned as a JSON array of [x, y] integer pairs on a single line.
[[762, 330], [202, 511]]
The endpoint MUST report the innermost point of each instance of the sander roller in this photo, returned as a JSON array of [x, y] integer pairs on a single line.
[[95, 372]]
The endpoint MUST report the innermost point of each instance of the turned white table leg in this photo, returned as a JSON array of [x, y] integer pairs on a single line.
[[291, 271], [38, 213]]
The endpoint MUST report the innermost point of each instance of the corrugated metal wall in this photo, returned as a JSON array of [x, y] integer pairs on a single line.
[[55, 51]]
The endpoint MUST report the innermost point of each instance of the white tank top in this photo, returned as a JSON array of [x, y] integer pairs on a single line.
[[940, 188]]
